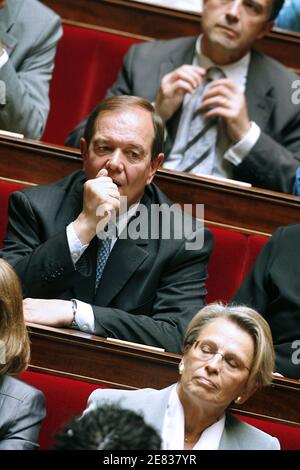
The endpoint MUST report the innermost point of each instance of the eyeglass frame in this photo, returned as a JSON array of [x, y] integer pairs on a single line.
[[195, 346]]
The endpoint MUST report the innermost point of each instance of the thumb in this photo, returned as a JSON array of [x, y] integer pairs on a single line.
[[102, 172]]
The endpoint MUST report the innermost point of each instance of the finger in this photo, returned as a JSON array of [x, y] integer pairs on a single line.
[[219, 112], [194, 70], [102, 172], [180, 86], [193, 80], [215, 101]]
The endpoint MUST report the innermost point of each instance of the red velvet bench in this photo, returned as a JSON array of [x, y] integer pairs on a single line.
[[66, 398], [86, 65]]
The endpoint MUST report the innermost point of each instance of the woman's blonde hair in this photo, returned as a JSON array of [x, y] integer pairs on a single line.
[[14, 340], [249, 321]]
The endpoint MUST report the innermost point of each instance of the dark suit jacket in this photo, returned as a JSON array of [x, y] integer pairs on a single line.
[[273, 288], [150, 288], [273, 161], [237, 435], [22, 409]]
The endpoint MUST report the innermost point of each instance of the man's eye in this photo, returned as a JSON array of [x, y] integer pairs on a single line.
[[133, 155], [252, 7]]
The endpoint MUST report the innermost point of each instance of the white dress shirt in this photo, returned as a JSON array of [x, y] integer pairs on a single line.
[[173, 428], [237, 73], [3, 58], [85, 315]]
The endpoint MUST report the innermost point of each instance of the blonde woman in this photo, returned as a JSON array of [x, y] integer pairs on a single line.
[[22, 407], [228, 355]]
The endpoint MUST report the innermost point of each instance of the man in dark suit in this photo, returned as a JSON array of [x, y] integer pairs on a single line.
[[259, 125], [273, 289], [154, 278]]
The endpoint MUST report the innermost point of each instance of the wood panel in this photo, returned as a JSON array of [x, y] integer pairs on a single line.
[[226, 205], [164, 23], [85, 357]]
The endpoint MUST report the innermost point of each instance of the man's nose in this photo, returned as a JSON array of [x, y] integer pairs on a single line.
[[115, 162], [233, 11]]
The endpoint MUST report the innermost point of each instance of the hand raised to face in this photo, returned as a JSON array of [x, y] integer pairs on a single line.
[[174, 86], [101, 197]]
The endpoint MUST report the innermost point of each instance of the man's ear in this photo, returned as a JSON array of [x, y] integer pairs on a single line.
[[266, 29], [155, 164]]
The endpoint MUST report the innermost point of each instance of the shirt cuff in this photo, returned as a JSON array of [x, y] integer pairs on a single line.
[[75, 246], [240, 150], [3, 58], [85, 317]]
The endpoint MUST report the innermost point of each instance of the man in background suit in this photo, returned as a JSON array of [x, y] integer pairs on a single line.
[[152, 285], [272, 287], [259, 138], [29, 33]]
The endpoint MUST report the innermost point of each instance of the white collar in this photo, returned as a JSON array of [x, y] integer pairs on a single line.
[[173, 428]]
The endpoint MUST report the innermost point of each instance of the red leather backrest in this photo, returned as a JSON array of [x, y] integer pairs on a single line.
[[65, 399], [230, 261], [86, 65], [288, 436]]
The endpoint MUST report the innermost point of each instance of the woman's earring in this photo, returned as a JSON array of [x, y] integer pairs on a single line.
[[181, 368], [238, 400]]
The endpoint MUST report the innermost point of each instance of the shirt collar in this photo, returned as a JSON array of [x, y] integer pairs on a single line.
[[237, 71], [173, 428]]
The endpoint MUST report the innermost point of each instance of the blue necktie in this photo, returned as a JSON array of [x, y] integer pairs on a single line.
[[102, 257]]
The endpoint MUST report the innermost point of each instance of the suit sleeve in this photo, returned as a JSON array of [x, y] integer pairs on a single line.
[[256, 289], [124, 85], [272, 164], [179, 297], [44, 266], [27, 90], [23, 431]]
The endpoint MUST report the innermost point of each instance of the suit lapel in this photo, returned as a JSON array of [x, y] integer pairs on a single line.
[[231, 437], [125, 258], [181, 56], [259, 91]]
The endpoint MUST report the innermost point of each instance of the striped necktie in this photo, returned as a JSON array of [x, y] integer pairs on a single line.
[[202, 134]]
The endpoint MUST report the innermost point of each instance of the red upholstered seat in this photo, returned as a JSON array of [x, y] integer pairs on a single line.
[[289, 436], [65, 398], [231, 259], [6, 188], [86, 65], [226, 264], [254, 246]]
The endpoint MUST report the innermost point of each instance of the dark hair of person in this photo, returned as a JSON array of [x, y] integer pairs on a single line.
[[108, 427], [14, 340], [120, 103], [275, 9]]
